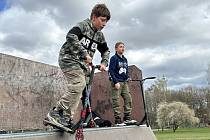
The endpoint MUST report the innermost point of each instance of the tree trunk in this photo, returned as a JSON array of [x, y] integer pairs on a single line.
[[175, 126]]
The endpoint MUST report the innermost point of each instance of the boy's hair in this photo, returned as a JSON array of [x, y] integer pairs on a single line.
[[118, 43], [100, 10]]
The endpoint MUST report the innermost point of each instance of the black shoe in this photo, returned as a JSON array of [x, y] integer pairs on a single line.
[[69, 121], [127, 122], [57, 117], [118, 122]]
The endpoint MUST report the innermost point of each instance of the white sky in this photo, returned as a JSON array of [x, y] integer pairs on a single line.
[[162, 37]]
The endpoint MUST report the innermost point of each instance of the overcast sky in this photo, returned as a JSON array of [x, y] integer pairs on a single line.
[[162, 37]]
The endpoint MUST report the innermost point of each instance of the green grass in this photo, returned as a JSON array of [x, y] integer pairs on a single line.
[[184, 134]]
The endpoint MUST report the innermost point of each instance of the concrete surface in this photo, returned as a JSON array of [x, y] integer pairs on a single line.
[[113, 133]]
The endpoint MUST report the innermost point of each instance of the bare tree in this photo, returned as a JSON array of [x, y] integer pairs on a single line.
[[161, 87], [155, 95]]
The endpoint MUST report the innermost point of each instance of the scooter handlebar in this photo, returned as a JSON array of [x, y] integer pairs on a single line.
[[143, 79]]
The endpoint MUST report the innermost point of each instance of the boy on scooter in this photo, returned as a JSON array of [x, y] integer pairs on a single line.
[[75, 55]]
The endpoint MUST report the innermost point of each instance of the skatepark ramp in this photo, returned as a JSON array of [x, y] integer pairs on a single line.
[[111, 133]]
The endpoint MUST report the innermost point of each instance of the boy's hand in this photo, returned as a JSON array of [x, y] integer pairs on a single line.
[[129, 79], [88, 59], [102, 67], [117, 85]]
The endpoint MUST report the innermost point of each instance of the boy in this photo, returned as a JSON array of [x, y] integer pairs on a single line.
[[118, 71], [75, 55]]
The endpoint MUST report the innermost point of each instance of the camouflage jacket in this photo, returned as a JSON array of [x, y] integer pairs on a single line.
[[80, 41]]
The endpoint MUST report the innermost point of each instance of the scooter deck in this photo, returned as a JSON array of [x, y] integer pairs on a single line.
[[60, 127]]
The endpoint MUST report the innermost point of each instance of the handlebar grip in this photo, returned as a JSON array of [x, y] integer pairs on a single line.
[[143, 79], [97, 66], [151, 77]]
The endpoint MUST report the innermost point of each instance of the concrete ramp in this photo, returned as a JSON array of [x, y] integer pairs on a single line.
[[112, 133], [121, 133]]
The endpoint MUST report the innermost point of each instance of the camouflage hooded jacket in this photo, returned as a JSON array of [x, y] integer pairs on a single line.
[[80, 41]]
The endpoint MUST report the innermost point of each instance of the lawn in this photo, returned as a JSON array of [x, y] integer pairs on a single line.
[[184, 134]]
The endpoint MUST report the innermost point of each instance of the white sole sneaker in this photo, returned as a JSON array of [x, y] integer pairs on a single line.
[[120, 124], [130, 122]]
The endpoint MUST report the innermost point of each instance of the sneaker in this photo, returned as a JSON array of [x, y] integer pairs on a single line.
[[118, 122], [57, 117], [127, 122], [69, 121]]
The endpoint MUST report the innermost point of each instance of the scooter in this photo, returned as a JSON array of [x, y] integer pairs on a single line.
[[86, 118], [145, 118]]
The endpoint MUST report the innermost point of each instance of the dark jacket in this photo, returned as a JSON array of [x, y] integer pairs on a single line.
[[81, 40], [118, 69]]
